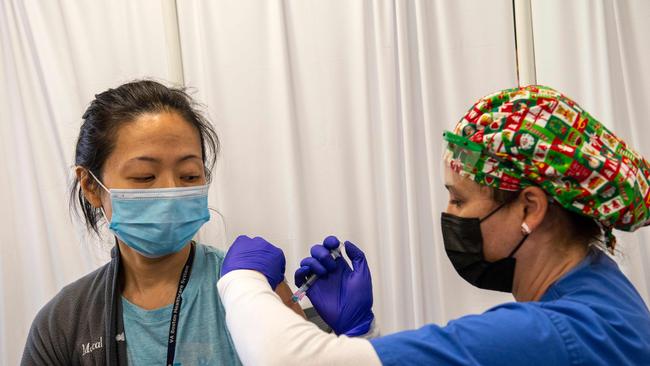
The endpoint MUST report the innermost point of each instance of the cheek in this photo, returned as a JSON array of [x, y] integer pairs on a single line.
[[451, 209], [499, 241], [490, 245]]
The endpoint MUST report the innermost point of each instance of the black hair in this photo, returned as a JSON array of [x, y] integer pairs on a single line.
[[115, 107]]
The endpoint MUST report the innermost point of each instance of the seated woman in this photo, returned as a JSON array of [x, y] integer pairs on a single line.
[[536, 186], [143, 160]]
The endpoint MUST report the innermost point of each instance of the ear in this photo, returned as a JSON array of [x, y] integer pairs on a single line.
[[535, 206], [89, 187]]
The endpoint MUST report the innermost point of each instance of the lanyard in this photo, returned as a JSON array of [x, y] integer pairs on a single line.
[[173, 324]]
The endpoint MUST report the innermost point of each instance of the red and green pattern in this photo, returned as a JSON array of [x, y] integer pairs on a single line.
[[535, 135]]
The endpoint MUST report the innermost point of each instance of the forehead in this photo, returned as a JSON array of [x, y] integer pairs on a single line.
[[158, 134]]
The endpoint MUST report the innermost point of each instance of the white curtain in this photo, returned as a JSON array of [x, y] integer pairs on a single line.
[[54, 56], [330, 114], [597, 52]]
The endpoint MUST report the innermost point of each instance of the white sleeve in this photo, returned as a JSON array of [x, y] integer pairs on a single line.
[[266, 332]]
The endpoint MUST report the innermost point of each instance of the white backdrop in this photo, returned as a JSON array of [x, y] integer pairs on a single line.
[[54, 57], [330, 114], [597, 52]]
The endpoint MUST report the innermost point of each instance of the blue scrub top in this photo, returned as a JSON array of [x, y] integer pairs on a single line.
[[591, 316]]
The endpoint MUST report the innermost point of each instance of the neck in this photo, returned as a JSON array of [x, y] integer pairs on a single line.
[[151, 283], [540, 263]]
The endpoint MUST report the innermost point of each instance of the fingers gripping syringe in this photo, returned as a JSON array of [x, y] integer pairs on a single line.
[[300, 293]]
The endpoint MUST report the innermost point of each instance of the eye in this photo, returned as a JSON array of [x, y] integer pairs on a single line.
[[455, 202], [143, 179], [190, 178]]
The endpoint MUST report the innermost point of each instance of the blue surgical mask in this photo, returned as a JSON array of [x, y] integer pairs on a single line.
[[158, 221]]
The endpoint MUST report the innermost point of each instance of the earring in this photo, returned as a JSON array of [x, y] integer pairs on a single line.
[[525, 229]]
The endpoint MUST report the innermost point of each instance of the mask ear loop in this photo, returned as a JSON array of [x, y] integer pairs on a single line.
[[98, 181], [524, 230], [107, 191], [493, 212], [104, 214]]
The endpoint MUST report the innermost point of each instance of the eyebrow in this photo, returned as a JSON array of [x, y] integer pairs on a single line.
[[155, 160], [452, 189]]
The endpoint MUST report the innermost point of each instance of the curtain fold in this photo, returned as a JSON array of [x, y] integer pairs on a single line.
[[597, 53], [54, 56], [331, 116]]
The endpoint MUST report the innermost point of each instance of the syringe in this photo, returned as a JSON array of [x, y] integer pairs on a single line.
[[300, 293]]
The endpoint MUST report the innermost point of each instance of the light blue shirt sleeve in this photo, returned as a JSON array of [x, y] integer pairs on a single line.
[[203, 338]]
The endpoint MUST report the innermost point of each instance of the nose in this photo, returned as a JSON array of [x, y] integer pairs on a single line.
[[168, 180]]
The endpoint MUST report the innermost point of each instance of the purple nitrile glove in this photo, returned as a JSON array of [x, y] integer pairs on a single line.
[[258, 255], [342, 296]]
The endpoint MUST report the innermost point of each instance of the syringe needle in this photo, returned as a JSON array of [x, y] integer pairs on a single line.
[[300, 292]]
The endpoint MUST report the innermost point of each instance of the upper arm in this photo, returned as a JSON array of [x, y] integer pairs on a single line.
[[42, 345], [266, 332], [284, 291], [520, 334]]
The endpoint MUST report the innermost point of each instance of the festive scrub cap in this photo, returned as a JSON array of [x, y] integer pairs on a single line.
[[534, 135]]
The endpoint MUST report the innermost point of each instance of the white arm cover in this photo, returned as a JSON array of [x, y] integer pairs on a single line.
[[266, 332]]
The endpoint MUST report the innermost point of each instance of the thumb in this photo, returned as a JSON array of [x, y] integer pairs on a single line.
[[357, 257]]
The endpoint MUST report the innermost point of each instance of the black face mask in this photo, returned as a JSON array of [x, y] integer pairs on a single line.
[[464, 247]]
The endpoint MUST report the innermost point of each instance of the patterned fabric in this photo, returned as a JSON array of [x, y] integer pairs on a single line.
[[534, 135]]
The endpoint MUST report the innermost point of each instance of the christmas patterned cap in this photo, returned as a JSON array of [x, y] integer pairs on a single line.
[[534, 135]]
